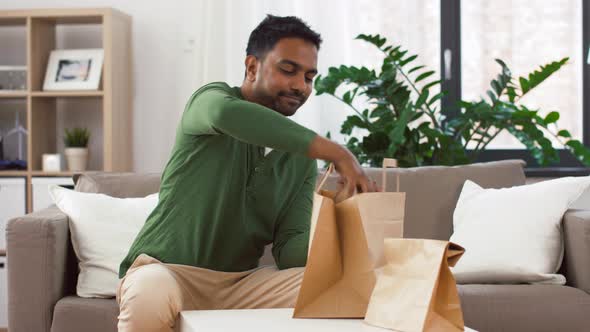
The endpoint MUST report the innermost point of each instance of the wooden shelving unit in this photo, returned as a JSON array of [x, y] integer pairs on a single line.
[[113, 152]]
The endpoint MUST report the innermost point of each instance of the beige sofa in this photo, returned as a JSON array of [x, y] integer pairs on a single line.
[[42, 268]]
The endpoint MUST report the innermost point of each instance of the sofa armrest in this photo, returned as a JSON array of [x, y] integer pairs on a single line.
[[36, 248], [576, 224]]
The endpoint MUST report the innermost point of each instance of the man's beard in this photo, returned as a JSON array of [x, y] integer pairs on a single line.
[[285, 103], [288, 103]]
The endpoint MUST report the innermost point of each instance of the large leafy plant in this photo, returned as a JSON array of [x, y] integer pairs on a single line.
[[403, 119]]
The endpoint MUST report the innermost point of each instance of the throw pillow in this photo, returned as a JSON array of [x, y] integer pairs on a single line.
[[513, 235], [102, 229]]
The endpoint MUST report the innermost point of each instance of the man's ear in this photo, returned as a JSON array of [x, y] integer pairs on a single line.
[[252, 65]]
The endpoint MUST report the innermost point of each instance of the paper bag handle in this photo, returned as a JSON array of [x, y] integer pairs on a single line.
[[325, 177], [389, 162]]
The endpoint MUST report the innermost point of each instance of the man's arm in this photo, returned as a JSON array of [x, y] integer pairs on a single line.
[[352, 175], [291, 238], [215, 111]]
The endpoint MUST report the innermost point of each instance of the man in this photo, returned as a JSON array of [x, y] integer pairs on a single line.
[[223, 198]]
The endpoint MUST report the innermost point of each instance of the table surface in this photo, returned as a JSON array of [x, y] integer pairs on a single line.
[[263, 320]]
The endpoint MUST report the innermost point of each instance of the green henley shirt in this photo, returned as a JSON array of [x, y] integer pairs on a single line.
[[221, 199]]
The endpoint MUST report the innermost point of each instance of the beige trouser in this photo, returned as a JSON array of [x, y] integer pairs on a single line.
[[152, 294]]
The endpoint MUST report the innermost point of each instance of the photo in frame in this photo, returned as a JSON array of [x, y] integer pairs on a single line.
[[74, 69]]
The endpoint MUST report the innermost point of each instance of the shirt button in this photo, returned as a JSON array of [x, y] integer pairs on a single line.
[[257, 169]]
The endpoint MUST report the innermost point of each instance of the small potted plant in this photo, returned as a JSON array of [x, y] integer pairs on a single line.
[[76, 151]]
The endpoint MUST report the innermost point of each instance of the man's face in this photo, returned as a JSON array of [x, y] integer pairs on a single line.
[[283, 80]]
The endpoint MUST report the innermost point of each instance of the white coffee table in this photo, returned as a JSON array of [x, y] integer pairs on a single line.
[[266, 320]]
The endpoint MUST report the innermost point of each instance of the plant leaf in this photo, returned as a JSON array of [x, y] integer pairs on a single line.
[[422, 98], [538, 76], [497, 88], [423, 76], [435, 98], [415, 68], [407, 60], [511, 92], [347, 97], [376, 40], [398, 55], [492, 96], [431, 84], [564, 133], [551, 117], [579, 150]]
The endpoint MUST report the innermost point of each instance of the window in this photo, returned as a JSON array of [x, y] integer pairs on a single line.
[[525, 35]]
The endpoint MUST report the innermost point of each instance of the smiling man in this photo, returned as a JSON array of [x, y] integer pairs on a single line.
[[241, 176]]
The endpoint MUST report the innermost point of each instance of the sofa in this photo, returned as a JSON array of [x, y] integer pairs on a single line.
[[42, 268]]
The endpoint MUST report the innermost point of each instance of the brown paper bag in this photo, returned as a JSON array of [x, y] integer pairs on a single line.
[[346, 245], [415, 289]]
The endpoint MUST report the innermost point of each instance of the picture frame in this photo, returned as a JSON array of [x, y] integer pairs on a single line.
[[74, 69]]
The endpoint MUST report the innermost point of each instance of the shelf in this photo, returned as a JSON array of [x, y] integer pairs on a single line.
[[73, 93], [40, 173], [57, 174], [12, 173], [12, 94], [62, 15]]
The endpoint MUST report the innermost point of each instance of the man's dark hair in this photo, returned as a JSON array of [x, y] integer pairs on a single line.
[[274, 28]]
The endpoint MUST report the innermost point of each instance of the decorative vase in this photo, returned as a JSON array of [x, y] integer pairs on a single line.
[[77, 158]]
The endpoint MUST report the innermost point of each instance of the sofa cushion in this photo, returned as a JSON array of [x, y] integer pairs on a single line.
[[76, 314], [432, 192], [513, 235], [525, 308], [120, 185]]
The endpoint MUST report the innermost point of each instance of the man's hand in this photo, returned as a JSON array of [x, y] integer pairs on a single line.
[[351, 173]]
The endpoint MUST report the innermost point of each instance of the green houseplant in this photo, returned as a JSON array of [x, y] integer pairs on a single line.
[[76, 148], [404, 122]]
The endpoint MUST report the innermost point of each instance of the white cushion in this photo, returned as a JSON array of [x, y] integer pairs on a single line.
[[513, 235], [102, 230]]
